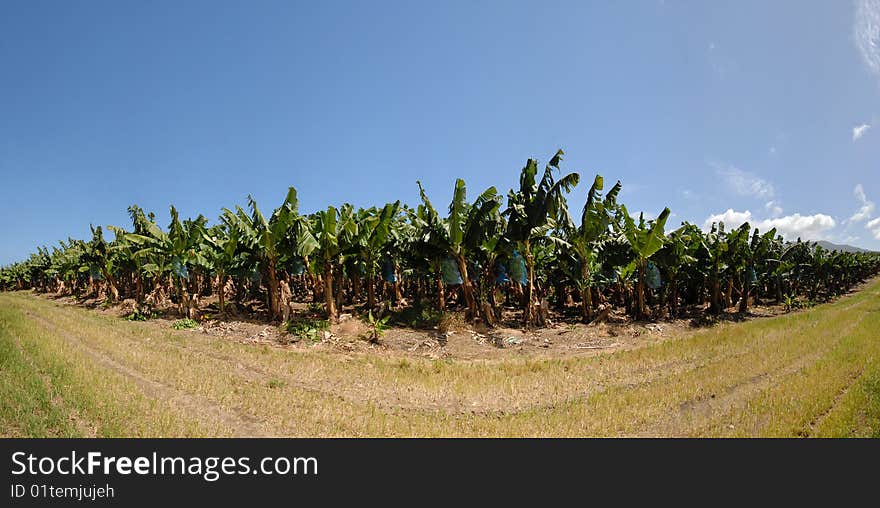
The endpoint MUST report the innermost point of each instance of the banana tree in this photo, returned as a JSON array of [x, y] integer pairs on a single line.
[[332, 232], [270, 238], [461, 233], [585, 240], [714, 248], [375, 229], [532, 211], [677, 253], [645, 239], [98, 256], [421, 253], [744, 255], [223, 255]]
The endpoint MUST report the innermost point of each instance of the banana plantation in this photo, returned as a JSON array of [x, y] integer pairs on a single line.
[[526, 257]]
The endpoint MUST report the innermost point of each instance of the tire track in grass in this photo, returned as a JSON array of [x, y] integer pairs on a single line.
[[244, 425], [739, 393], [816, 422], [735, 396], [789, 372], [683, 357], [625, 379], [83, 427]]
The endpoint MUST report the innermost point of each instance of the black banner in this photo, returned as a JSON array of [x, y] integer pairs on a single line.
[[240, 472]]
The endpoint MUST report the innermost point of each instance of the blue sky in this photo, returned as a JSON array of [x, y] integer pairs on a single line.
[[765, 111]]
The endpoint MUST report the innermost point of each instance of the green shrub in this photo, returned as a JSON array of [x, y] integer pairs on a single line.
[[306, 328], [184, 324], [138, 315], [377, 326], [418, 316]]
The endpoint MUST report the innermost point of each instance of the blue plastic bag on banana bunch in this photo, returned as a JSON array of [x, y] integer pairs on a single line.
[[517, 269], [652, 276], [297, 267], [388, 271], [501, 273], [179, 268], [449, 271]]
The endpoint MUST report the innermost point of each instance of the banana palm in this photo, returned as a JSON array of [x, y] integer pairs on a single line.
[[645, 239], [286, 232], [532, 211], [375, 230], [333, 230], [462, 232], [584, 241]]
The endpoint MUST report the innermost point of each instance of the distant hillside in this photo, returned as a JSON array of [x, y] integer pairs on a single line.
[[842, 248]]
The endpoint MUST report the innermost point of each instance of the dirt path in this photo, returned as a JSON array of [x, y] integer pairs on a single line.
[[666, 386], [193, 405], [737, 395], [819, 419], [397, 400], [84, 427]]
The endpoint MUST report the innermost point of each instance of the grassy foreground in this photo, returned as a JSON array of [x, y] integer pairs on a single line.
[[66, 371]]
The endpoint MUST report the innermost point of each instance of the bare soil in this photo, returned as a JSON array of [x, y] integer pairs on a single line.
[[565, 336]]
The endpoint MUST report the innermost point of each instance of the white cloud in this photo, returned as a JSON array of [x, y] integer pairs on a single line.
[[774, 208], [806, 227], [874, 227], [791, 227], [867, 207], [860, 131], [866, 32], [745, 183], [730, 218]]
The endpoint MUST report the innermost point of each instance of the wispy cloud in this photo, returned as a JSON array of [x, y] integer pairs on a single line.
[[866, 32], [745, 183], [774, 208], [866, 208], [859, 131], [874, 227]]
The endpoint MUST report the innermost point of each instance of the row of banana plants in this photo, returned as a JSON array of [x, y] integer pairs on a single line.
[[531, 251]]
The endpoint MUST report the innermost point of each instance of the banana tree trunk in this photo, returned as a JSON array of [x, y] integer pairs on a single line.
[[744, 300], [715, 303], [340, 287], [728, 294], [371, 291], [329, 300], [586, 294], [114, 291], [487, 294], [355, 288], [441, 291], [673, 296], [398, 294], [221, 292], [528, 304], [139, 290], [274, 307], [467, 288], [641, 311]]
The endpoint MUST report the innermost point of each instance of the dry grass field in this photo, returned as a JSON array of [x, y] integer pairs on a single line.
[[66, 371]]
